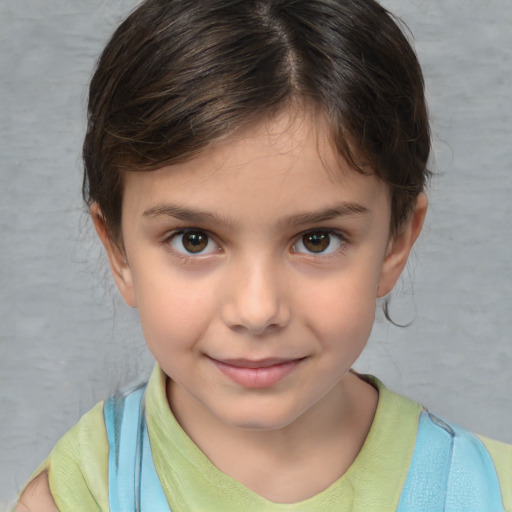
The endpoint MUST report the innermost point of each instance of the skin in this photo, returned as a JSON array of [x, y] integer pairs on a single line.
[[260, 294], [37, 496]]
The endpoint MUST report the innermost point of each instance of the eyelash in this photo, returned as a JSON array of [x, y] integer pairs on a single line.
[[300, 239]]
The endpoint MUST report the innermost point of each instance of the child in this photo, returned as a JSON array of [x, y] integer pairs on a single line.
[[255, 170]]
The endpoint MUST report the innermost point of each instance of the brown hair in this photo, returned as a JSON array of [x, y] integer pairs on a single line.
[[180, 75]]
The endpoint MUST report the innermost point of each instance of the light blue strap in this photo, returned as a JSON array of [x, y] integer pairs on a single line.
[[426, 484], [152, 496], [122, 439], [134, 485], [450, 471], [473, 479]]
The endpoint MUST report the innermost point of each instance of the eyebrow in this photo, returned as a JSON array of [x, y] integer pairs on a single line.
[[333, 212], [309, 217], [185, 214]]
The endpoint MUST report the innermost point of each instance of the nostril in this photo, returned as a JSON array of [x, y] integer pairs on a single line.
[[256, 332]]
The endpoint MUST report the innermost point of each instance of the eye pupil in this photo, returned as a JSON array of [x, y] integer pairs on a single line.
[[316, 242], [195, 241]]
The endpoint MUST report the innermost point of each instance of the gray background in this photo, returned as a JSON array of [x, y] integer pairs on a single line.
[[66, 340]]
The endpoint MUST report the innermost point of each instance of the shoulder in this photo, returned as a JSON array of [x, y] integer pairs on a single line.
[[501, 455], [37, 496], [451, 464], [465, 468], [78, 465], [76, 471]]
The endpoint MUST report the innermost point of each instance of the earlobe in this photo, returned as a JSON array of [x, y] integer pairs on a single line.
[[400, 247], [116, 257]]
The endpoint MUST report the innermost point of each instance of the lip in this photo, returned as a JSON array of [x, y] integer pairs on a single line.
[[257, 374]]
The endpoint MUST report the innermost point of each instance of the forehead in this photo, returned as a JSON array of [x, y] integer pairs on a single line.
[[277, 165]]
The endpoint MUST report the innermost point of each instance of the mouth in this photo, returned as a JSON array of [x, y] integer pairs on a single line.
[[257, 374]]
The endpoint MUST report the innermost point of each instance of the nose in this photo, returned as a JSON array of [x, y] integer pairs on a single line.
[[255, 299]]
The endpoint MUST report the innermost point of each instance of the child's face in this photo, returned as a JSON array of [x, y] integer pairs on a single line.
[[256, 268]]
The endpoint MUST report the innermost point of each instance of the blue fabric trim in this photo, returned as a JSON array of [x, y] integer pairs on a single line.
[[473, 479], [152, 494], [450, 471], [426, 483], [134, 485], [109, 414]]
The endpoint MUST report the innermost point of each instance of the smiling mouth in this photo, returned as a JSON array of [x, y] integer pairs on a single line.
[[258, 374]]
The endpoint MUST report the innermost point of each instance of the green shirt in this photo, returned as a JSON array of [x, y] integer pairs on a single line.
[[78, 465]]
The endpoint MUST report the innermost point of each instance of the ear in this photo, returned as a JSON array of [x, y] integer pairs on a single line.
[[117, 259], [400, 247]]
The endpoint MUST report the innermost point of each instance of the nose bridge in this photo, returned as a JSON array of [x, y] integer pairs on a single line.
[[256, 296]]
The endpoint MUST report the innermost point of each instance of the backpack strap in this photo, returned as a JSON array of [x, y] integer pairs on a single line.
[[133, 483], [450, 471]]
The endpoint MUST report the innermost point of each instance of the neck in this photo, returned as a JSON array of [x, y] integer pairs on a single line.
[[291, 463]]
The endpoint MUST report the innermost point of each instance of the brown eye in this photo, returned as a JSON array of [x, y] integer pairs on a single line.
[[319, 242], [193, 242], [316, 242]]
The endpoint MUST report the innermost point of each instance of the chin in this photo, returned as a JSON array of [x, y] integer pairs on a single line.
[[261, 420]]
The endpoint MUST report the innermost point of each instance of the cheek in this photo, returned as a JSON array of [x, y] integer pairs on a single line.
[[342, 309], [173, 312]]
